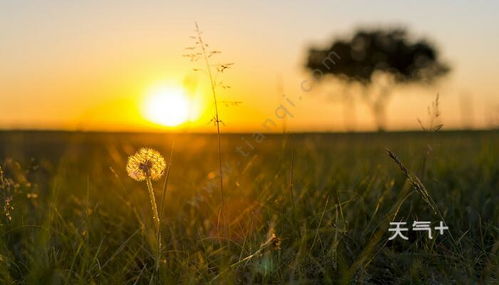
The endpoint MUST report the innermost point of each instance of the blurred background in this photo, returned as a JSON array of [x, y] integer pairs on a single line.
[[94, 65]]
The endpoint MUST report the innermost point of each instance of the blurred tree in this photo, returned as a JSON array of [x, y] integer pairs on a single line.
[[377, 60]]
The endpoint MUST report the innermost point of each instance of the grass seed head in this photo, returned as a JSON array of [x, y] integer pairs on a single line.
[[146, 163], [275, 241]]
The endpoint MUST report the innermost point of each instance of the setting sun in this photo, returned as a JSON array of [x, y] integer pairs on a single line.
[[168, 106]]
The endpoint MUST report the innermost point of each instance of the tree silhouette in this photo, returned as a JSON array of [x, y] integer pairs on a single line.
[[377, 58]]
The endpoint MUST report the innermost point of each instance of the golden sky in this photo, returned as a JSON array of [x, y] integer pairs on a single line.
[[90, 65]]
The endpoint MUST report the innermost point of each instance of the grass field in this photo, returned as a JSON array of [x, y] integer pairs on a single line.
[[72, 215]]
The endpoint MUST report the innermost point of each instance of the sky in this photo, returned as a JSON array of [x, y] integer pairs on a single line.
[[89, 65]]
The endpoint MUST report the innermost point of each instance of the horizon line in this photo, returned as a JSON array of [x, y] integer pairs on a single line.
[[166, 132]]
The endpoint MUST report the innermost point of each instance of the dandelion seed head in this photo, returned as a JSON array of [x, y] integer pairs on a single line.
[[146, 163]]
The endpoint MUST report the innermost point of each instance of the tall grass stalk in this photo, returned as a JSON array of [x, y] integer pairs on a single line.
[[217, 120], [165, 183], [155, 219], [418, 185], [162, 205], [154, 207], [200, 51], [415, 183]]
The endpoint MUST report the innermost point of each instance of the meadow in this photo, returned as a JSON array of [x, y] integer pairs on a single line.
[[297, 208]]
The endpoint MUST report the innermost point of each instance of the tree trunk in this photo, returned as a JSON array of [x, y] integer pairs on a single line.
[[379, 111], [378, 106], [349, 112]]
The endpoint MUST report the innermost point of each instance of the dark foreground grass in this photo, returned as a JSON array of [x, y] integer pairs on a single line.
[[71, 215]]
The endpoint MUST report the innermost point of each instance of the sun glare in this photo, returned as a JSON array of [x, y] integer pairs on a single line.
[[167, 106]]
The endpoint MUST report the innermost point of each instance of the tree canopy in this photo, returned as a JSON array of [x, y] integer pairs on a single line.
[[387, 50]]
